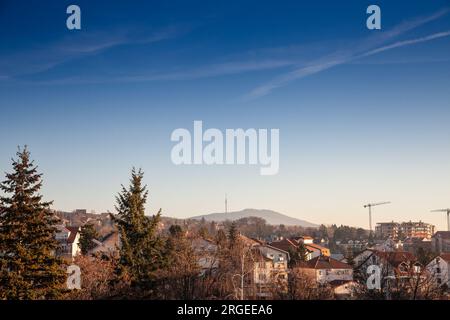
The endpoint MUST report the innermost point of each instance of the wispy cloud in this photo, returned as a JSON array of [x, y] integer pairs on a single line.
[[43, 58], [365, 48], [292, 62], [406, 43]]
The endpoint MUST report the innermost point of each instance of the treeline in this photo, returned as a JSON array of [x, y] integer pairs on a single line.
[[257, 228]]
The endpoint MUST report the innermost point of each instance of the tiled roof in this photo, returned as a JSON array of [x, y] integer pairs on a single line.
[[445, 256], [322, 262], [395, 258], [73, 233], [284, 245], [314, 247]]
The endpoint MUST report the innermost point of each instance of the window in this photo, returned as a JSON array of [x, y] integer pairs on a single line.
[[438, 270], [262, 276]]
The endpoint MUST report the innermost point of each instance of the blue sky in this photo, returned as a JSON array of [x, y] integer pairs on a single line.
[[363, 114]]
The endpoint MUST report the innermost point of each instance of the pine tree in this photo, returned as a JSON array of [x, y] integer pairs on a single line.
[[297, 255], [87, 235], [142, 249], [233, 234], [221, 238], [29, 268]]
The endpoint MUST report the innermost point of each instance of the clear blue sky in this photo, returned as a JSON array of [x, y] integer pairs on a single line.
[[363, 115]]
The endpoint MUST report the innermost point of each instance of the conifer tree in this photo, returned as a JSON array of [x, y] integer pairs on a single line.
[[87, 235], [142, 249], [233, 234], [298, 255], [29, 268]]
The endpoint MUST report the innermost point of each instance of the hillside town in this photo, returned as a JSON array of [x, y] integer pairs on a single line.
[[410, 254], [130, 254]]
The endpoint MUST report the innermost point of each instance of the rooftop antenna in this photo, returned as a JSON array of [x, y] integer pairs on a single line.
[[370, 205], [448, 216]]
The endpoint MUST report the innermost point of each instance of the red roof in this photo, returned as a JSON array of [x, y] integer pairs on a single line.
[[73, 233], [395, 258], [323, 262], [284, 245], [445, 256]]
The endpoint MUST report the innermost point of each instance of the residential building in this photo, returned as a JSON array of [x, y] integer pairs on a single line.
[[108, 246], [414, 244], [393, 264], [419, 229], [395, 230], [324, 269], [439, 268], [207, 253], [352, 246], [69, 241], [313, 249], [384, 230], [270, 271], [440, 242]]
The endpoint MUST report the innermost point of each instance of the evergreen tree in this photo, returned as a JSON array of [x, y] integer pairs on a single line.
[[221, 238], [300, 254], [87, 235], [29, 268], [142, 249], [175, 230], [233, 234]]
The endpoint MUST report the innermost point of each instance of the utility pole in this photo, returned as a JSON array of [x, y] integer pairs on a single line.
[[448, 216], [242, 276]]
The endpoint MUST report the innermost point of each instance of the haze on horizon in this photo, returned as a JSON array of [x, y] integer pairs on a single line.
[[363, 115]]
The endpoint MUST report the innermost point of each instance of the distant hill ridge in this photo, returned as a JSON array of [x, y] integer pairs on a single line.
[[271, 217]]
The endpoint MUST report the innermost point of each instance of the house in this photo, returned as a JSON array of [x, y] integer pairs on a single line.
[[414, 244], [325, 270], [313, 249], [394, 264], [207, 252], [352, 246], [108, 246], [439, 269], [69, 241], [270, 270], [440, 242], [317, 250], [388, 245]]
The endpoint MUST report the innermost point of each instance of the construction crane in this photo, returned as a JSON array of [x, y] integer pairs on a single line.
[[448, 216], [370, 205]]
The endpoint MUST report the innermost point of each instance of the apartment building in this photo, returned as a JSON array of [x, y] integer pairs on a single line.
[[395, 230]]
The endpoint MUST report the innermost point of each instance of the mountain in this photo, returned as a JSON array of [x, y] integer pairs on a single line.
[[271, 217]]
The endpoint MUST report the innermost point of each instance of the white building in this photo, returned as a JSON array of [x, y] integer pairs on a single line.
[[206, 250], [439, 268], [326, 270], [69, 241], [440, 242]]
